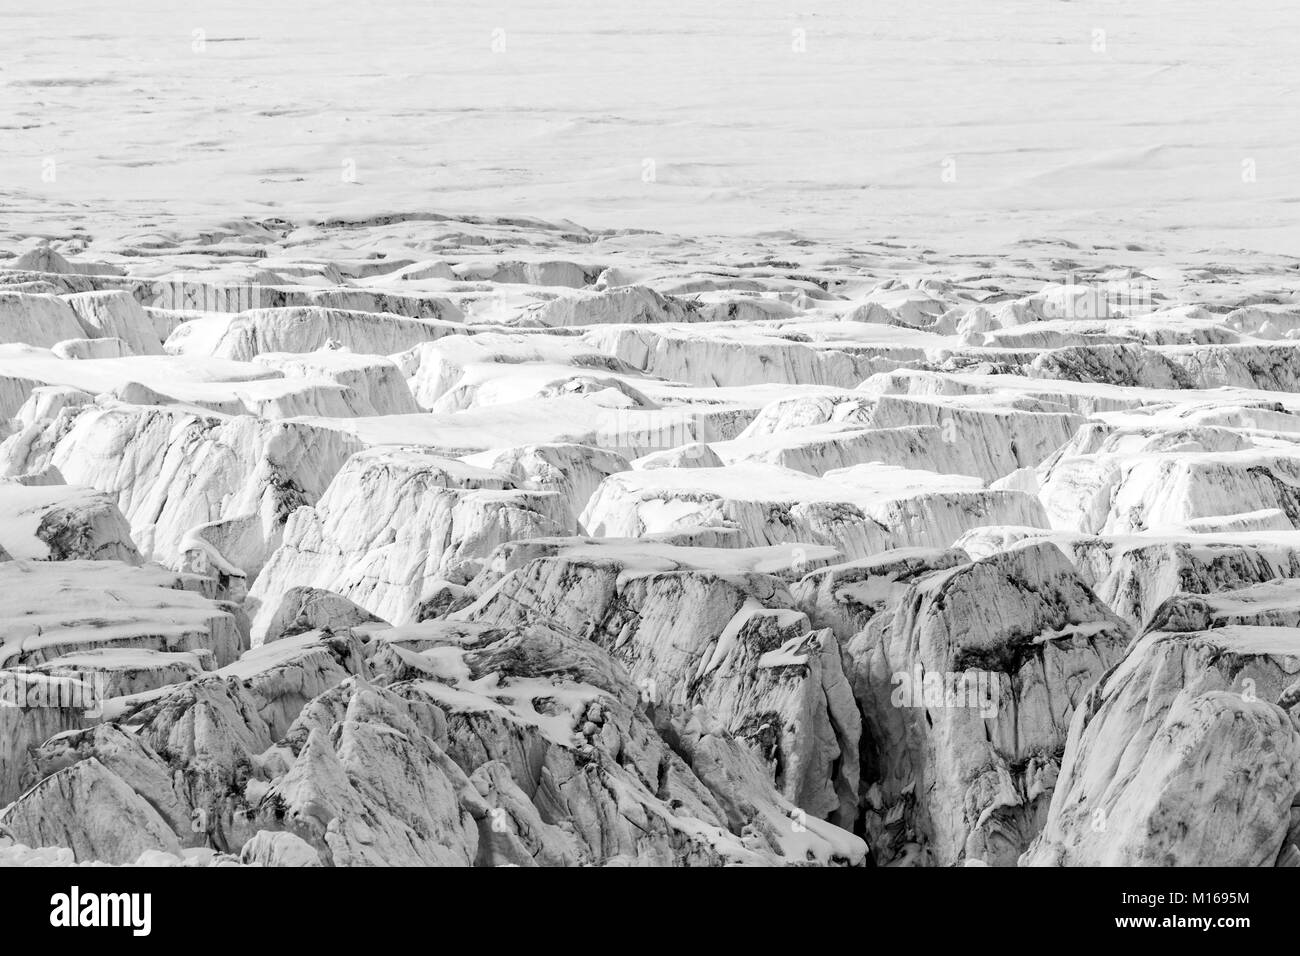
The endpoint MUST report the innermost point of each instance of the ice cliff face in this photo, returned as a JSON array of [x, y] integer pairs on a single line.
[[967, 690], [488, 543], [216, 486], [245, 335], [57, 522], [745, 654], [860, 510], [394, 521], [1192, 726]]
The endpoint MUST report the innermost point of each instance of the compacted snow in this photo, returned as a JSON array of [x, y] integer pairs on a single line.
[[861, 434]]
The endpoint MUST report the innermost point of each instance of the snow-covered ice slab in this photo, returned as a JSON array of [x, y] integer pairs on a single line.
[[860, 510], [48, 609]]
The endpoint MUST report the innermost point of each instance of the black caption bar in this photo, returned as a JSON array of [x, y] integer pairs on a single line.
[[142, 907]]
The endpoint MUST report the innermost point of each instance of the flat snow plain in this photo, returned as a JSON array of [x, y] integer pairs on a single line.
[[962, 126]]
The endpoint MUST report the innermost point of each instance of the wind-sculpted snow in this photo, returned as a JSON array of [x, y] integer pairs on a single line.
[[483, 542]]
